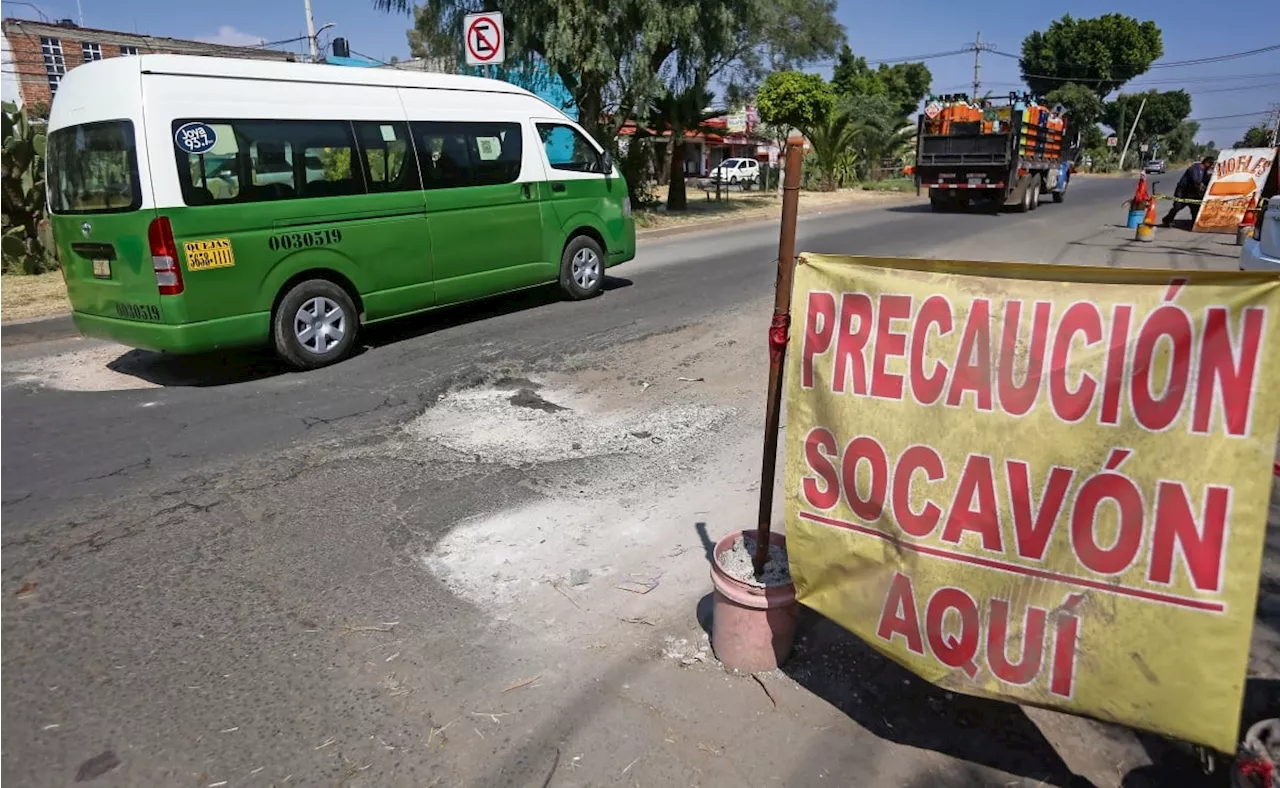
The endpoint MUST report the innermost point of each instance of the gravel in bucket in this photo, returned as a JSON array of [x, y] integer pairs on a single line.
[[736, 562]]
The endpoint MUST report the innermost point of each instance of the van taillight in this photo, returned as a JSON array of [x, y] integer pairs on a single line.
[[164, 256]]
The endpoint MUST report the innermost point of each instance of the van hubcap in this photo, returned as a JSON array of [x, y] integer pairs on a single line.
[[586, 268], [319, 325]]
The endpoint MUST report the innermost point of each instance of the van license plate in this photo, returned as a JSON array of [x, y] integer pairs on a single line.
[[102, 269]]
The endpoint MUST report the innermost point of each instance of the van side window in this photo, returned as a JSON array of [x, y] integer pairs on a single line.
[[388, 156], [265, 160], [468, 154], [568, 149], [329, 166]]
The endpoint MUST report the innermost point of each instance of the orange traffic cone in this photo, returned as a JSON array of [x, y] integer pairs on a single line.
[[1249, 221], [1147, 230], [1141, 196]]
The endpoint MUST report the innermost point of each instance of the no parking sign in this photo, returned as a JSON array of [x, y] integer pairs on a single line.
[[483, 39]]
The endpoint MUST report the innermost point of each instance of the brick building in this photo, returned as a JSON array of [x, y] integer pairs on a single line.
[[40, 53]]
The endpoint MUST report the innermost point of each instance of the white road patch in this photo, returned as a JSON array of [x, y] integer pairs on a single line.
[[79, 370], [483, 422], [632, 514]]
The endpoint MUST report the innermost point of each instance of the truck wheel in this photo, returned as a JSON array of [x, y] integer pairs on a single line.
[[314, 325], [939, 204], [1024, 204], [1035, 193]]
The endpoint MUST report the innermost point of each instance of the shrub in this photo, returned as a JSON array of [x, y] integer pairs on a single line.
[[25, 238]]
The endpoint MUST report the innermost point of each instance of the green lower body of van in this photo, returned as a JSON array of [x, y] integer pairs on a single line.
[[304, 275]]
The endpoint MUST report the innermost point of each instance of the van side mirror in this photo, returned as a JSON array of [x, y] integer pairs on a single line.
[[608, 163]]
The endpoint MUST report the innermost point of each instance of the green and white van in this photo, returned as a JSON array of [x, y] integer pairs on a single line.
[[203, 203]]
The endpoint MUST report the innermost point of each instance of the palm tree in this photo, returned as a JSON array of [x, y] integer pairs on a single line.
[[881, 140], [834, 140]]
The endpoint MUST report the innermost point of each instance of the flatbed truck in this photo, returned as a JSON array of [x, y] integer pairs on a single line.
[[995, 153]]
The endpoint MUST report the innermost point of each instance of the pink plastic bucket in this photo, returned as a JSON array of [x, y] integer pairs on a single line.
[[752, 628]]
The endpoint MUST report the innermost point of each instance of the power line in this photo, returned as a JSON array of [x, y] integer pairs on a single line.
[[1167, 64], [1216, 58], [908, 59], [1240, 115], [1194, 92]]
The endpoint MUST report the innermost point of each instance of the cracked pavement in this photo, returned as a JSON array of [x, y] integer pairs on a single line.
[[223, 571]]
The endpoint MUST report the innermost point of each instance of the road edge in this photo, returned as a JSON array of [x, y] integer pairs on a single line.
[[37, 329], [60, 326], [720, 224]]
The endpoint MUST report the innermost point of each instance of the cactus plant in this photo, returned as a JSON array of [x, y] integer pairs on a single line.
[[25, 239]]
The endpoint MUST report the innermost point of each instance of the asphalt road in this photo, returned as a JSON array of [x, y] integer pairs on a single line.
[[63, 445], [198, 575]]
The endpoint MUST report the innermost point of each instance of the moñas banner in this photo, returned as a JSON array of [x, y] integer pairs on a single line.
[[1042, 484]]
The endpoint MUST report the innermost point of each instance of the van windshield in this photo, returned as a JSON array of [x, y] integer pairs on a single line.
[[93, 168]]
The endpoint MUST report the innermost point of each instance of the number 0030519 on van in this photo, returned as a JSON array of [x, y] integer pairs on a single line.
[[190, 218]]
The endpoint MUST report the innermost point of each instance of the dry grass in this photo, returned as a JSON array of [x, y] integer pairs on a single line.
[[757, 205], [32, 296]]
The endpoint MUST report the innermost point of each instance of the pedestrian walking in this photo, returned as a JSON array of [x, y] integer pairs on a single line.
[[1191, 187]]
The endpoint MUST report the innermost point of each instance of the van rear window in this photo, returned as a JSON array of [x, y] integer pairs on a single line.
[[93, 168]]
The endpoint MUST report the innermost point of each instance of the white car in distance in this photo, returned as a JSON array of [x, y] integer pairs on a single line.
[[734, 171]]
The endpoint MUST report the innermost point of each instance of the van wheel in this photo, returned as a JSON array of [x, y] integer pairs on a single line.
[[582, 268], [315, 324]]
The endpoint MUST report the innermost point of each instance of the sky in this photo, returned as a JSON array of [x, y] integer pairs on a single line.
[[876, 30]]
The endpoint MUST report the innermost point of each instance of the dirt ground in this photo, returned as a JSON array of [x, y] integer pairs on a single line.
[[739, 205], [23, 297]]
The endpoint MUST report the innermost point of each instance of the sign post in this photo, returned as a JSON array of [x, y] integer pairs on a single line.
[[778, 334], [484, 39]]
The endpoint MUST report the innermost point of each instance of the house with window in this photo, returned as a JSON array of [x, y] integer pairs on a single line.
[[38, 54]]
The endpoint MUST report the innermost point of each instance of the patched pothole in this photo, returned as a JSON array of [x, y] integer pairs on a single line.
[[517, 422]]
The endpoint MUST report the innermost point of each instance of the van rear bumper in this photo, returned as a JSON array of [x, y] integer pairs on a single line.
[[238, 331]]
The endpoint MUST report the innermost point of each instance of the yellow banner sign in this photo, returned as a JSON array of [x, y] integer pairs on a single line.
[[1042, 484]]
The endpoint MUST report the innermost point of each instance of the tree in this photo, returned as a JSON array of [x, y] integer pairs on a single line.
[[680, 114], [615, 57], [1180, 144], [881, 132], [1101, 54], [906, 84], [853, 77], [1082, 105], [1161, 115], [1257, 137], [795, 100], [832, 140], [903, 83]]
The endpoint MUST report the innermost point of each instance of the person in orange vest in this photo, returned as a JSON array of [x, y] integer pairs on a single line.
[[1191, 186]]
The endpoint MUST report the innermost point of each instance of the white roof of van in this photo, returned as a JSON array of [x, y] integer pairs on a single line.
[[235, 68]]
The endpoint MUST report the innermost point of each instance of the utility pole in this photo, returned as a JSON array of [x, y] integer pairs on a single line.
[[1132, 129], [977, 48], [311, 32], [1275, 124]]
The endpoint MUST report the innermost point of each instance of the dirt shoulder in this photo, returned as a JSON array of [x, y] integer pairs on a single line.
[[25, 297], [746, 206]]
